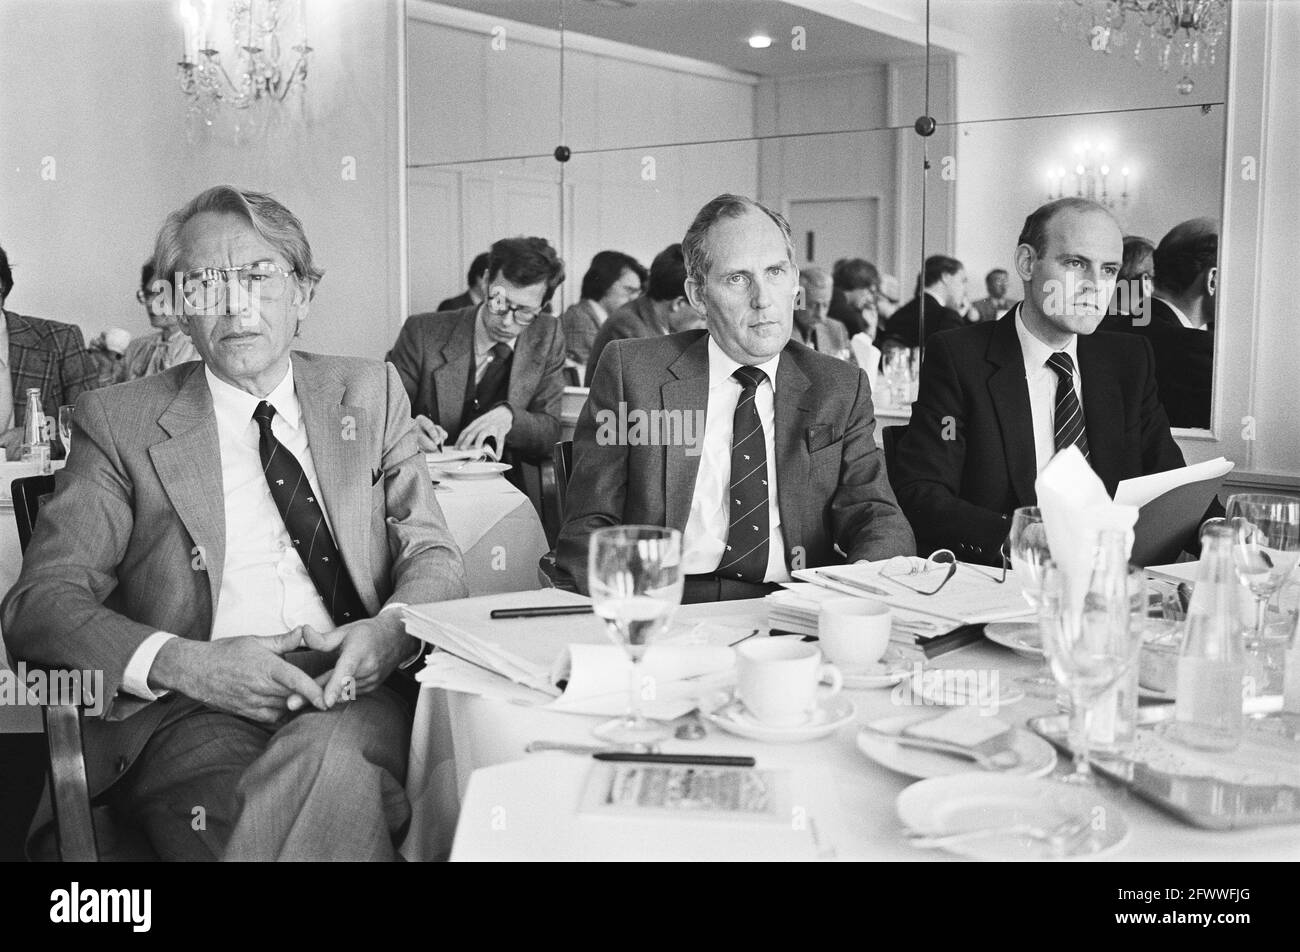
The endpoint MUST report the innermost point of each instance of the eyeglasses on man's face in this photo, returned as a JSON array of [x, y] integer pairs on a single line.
[[206, 289], [500, 305]]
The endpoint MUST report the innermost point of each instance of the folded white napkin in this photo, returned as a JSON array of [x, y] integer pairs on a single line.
[[599, 677], [1076, 507], [867, 355]]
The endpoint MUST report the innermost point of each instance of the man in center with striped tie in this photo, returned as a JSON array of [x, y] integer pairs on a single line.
[[999, 399], [786, 474]]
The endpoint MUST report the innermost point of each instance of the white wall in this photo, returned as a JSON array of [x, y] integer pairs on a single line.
[[92, 86]]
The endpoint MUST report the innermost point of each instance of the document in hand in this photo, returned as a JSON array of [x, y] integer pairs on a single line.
[[971, 597], [1172, 505]]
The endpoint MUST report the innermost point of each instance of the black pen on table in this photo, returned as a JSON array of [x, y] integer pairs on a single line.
[[697, 760], [540, 611]]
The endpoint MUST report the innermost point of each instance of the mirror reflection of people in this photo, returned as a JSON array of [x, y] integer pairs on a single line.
[[490, 375], [853, 300], [943, 287], [475, 292], [1128, 309], [47, 355], [168, 345], [997, 302], [612, 280], [811, 326], [999, 399]]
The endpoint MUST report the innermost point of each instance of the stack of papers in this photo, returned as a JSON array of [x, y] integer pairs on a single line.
[[795, 608]]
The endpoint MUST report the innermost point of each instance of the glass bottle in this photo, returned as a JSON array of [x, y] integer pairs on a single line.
[[36, 435], [1107, 614], [1212, 663]]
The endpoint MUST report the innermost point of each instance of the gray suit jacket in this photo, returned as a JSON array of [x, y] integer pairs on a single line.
[[133, 540], [432, 357], [834, 499]]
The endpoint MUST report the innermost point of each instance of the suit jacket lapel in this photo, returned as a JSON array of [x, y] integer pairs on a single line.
[[1103, 402], [525, 366], [689, 391], [189, 469], [790, 444], [1010, 394], [337, 435], [449, 384]]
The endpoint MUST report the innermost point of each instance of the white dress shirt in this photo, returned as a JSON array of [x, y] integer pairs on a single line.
[[1042, 381], [483, 346], [265, 588], [705, 538]]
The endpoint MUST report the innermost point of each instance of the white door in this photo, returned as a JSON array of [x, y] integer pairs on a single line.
[[825, 231]]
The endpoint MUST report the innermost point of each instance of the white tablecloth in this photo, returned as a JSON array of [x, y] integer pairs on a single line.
[[457, 734]]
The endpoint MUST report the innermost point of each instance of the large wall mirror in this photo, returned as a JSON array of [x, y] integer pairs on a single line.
[[665, 103]]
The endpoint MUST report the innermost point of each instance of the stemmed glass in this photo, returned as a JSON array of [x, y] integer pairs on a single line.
[[1267, 545], [898, 375], [65, 429], [634, 574], [1090, 650], [1030, 558]]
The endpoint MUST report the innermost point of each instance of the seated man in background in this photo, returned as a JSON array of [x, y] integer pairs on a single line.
[[1129, 308], [214, 519], [810, 324], [167, 347], [662, 309], [492, 373], [853, 299], [477, 290], [998, 400], [612, 280], [773, 466], [47, 355], [997, 303], [944, 293]]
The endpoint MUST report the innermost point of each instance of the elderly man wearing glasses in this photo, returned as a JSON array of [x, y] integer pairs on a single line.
[[492, 372], [167, 346]]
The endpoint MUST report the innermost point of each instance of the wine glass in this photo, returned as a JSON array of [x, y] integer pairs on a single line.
[[634, 574], [898, 372], [65, 429], [1090, 649], [1030, 556], [1267, 545]]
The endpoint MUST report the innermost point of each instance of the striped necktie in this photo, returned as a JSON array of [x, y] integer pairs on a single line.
[[1069, 425], [747, 536]]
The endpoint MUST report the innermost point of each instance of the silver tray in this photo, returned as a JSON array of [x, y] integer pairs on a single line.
[[1204, 802]]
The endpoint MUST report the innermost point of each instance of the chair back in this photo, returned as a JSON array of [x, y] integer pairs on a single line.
[[890, 435], [29, 493], [555, 483]]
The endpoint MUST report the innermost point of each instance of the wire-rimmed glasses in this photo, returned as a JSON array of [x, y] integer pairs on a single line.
[[206, 289]]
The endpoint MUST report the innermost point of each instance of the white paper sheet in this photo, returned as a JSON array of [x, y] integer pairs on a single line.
[[1142, 489]]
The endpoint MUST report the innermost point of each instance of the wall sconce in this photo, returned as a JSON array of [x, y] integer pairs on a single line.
[[1091, 174]]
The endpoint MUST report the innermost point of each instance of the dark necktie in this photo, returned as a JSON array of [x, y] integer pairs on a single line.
[[1069, 425], [747, 536], [499, 367], [305, 521]]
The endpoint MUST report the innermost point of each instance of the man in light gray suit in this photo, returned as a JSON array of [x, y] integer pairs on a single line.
[[228, 543], [758, 448]]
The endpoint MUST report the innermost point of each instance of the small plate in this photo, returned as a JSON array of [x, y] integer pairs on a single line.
[[829, 717], [1037, 756], [971, 801], [943, 687], [885, 673], [1022, 637], [471, 470]]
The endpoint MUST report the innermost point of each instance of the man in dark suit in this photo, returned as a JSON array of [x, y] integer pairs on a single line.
[[47, 355], [944, 295], [477, 290], [765, 458], [494, 372], [997, 400], [856, 283], [214, 521], [613, 280], [1181, 324], [662, 309]]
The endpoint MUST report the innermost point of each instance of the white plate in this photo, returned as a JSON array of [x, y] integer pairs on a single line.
[[471, 470], [830, 717], [971, 801], [1022, 637], [944, 687], [893, 666], [451, 456], [1037, 756]]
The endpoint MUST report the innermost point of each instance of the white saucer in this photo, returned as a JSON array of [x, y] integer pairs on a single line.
[[942, 687], [1022, 637], [970, 801], [885, 673], [470, 470], [1037, 756], [829, 717]]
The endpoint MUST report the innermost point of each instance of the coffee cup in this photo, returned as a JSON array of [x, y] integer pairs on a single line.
[[853, 632], [777, 679]]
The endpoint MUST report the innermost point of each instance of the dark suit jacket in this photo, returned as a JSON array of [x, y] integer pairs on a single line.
[[51, 356], [831, 484], [967, 460], [634, 320], [432, 356], [134, 539], [580, 324], [845, 313], [1184, 365], [456, 303], [904, 324], [828, 337]]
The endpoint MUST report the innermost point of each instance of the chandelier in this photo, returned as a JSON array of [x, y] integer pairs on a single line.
[[1182, 31], [261, 73], [1092, 174]]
